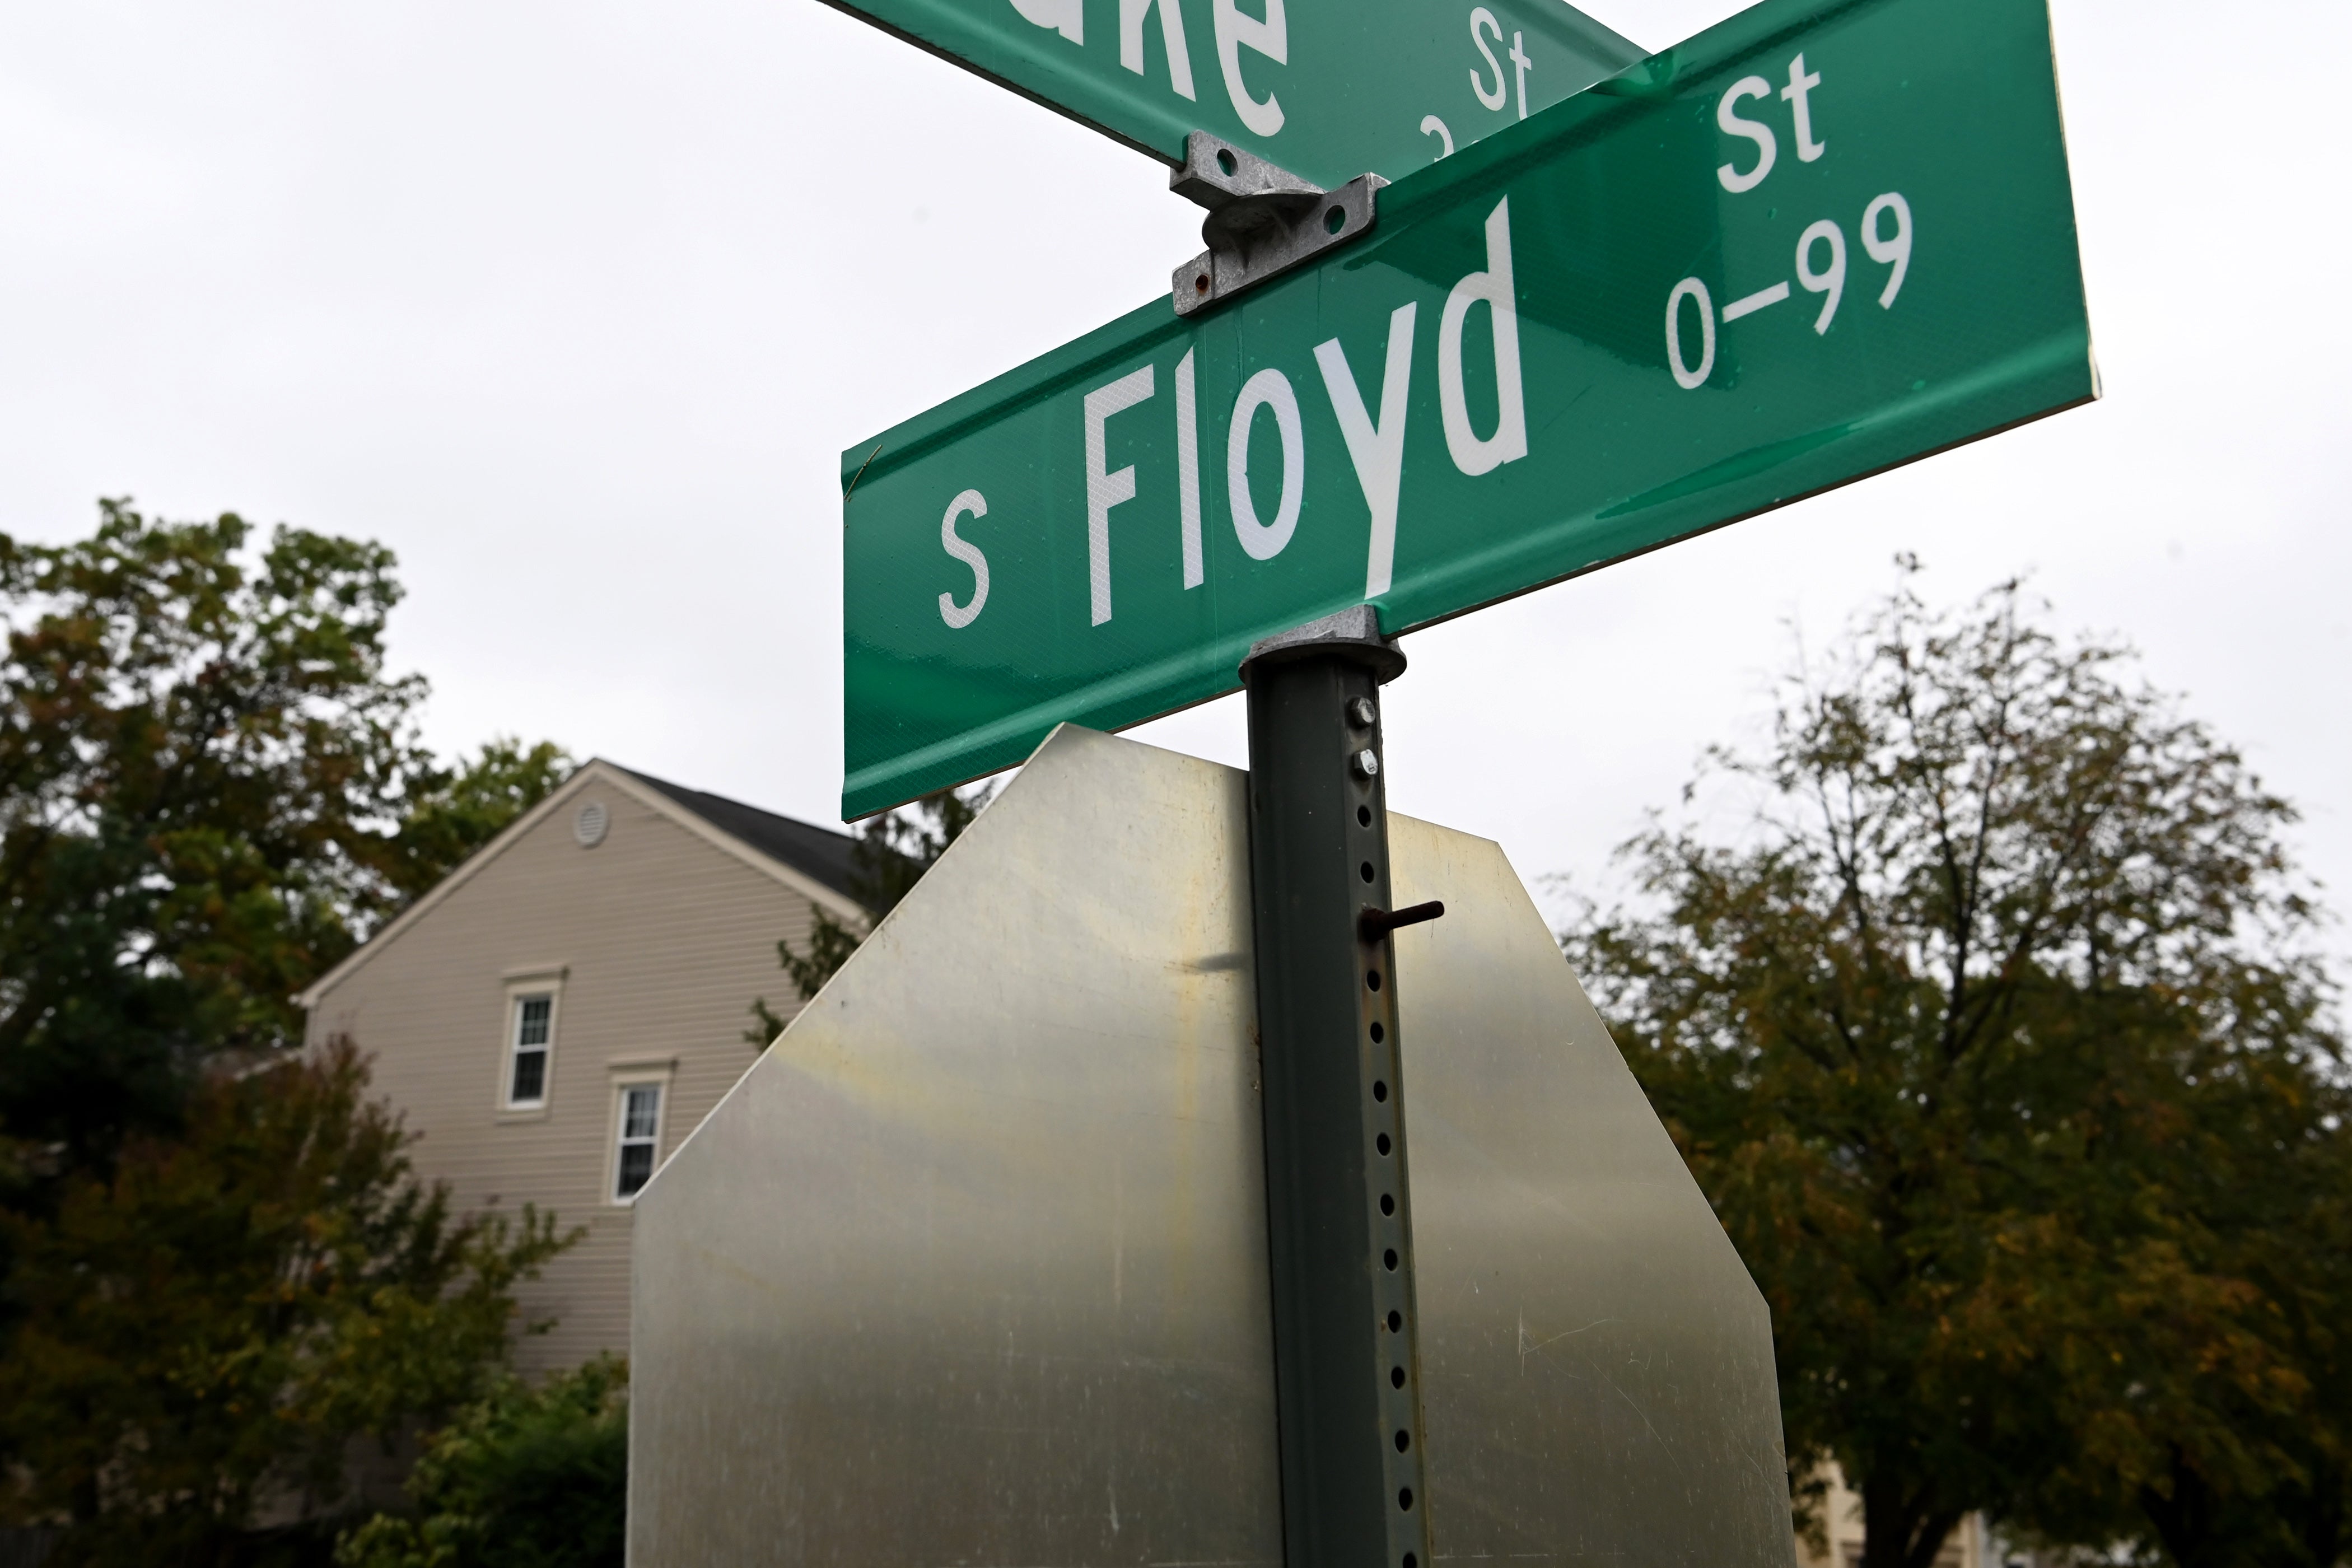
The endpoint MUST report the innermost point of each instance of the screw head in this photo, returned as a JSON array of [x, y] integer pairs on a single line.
[[1360, 713], [1365, 765]]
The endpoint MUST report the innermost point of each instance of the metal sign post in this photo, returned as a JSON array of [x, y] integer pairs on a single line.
[[1339, 1209]]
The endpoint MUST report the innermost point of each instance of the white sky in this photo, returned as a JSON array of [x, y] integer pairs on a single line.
[[575, 305]]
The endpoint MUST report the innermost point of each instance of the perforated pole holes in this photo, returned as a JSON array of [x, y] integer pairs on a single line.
[[1338, 1191], [1391, 1229]]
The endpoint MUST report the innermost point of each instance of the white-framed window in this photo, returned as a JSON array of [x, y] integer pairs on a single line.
[[527, 1060], [534, 1043], [637, 1141]]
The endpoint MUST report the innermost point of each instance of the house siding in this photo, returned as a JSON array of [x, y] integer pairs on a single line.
[[662, 939]]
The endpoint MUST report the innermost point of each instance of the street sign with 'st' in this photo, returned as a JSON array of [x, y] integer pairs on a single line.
[[1328, 89], [1813, 242]]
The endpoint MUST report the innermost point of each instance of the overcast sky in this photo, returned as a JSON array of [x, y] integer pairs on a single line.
[[575, 304]]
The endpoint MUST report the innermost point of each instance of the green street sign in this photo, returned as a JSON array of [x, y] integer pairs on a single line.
[[1811, 243], [1326, 89]]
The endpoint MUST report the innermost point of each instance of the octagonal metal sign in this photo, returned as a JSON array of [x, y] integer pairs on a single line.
[[971, 1269]]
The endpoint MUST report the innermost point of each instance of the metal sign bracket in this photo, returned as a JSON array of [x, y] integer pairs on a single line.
[[1263, 220]]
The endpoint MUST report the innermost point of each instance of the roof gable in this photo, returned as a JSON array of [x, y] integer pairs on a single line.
[[814, 851], [812, 860]]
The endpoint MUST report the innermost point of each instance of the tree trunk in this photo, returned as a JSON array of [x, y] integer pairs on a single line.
[[2323, 1516], [1899, 1528], [2183, 1520]]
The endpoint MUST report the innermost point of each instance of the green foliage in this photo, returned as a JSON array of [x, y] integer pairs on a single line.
[[895, 849], [215, 1319], [892, 852], [449, 812], [210, 791], [830, 945], [527, 1478], [1991, 1037], [192, 748]]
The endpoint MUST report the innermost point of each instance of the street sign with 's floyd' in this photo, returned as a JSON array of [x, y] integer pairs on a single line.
[[1328, 89], [1813, 242]]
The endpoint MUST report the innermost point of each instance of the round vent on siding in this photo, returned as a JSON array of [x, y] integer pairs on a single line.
[[589, 825]]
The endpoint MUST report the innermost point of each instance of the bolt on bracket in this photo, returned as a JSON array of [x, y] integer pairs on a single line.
[[1263, 220]]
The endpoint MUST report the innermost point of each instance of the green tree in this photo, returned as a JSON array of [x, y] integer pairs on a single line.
[[1991, 1037], [892, 851], [210, 791], [447, 813], [229, 1307], [2202, 1362], [528, 1477]]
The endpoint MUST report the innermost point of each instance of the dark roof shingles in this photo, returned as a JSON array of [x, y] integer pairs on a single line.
[[816, 852]]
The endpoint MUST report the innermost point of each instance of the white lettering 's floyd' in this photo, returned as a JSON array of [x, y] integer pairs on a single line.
[[1188, 470], [1375, 447], [1510, 441], [1237, 31], [1068, 16], [958, 616], [1727, 116], [1171, 37], [1105, 490], [1801, 110], [1269, 388]]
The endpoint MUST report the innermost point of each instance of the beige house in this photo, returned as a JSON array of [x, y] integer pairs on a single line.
[[561, 1012]]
